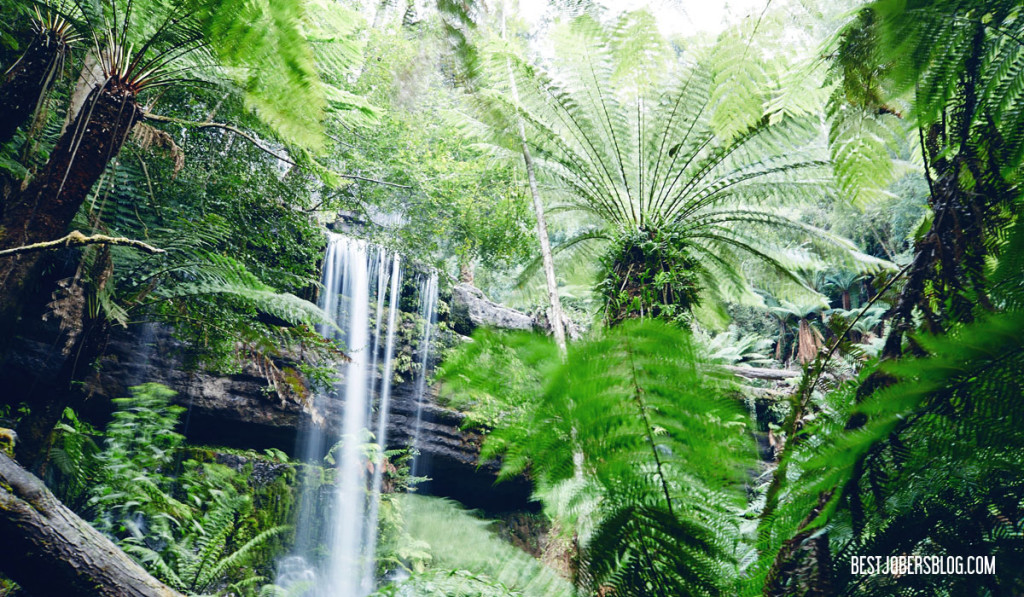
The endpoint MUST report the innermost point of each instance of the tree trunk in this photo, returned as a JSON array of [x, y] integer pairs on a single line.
[[45, 209], [25, 83], [49, 550], [809, 344], [555, 305], [555, 313], [35, 430], [780, 347], [846, 299], [466, 271], [89, 78]]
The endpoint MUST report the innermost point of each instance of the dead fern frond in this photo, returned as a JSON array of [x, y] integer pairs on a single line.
[[148, 137]]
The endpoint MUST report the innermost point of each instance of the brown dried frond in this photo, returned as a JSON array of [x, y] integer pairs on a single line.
[[148, 137]]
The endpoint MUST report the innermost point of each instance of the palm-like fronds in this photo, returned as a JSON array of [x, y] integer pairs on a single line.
[[634, 137], [260, 47], [658, 442]]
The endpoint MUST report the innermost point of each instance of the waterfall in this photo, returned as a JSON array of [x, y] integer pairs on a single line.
[[362, 286], [370, 533], [349, 500], [428, 310]]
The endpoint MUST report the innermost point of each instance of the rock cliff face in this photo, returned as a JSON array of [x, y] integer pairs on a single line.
[[242, 411], [470, 309]]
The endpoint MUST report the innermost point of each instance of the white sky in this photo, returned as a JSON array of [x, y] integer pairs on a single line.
[[685, 17]]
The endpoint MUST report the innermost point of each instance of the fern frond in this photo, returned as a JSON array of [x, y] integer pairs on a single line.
[[658, 435]]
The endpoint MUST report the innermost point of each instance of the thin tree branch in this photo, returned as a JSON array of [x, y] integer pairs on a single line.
[[77, 239], [259, 145], [219, 125]]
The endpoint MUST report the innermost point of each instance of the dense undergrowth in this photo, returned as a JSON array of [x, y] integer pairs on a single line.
[[787, 254]]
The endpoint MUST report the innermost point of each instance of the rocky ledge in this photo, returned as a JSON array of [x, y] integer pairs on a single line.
[[242, 411]]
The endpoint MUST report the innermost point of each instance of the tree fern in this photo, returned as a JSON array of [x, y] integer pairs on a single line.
[[655, 152], [933, 469], [662, 444], [953, 65]]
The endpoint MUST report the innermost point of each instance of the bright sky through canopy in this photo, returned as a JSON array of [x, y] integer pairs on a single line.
[[685, 17]]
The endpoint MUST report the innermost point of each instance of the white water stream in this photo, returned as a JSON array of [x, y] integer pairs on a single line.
[[344, 525]]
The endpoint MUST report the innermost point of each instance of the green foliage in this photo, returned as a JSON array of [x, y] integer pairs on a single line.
[[865, 133], [734, 347], [447, 583], [73, 454], [650, 274], [198, 526], [648, 444], [131, 496], [256, 49], [467, 558], [957, 66], [645, 143], [938, 452], [234, 263], [199, 562], [264, 48], [239, 249], [456, 201], [497, 378]]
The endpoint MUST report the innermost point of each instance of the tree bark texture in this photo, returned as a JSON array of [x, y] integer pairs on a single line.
[[554, 302], [35, 430], [26, 82], [44, 210], [49, 550]]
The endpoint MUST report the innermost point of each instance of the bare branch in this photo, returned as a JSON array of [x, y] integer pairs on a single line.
[[258, 144], [77, 239]]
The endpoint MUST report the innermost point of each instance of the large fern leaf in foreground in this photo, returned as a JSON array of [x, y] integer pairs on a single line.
[[934, 470], [654, 439]]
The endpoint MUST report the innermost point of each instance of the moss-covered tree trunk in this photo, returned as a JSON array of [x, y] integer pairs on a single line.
[[35, 430], [27, 80], [49, 550], [46, 207]]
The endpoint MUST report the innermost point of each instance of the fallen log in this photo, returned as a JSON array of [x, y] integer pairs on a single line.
[[51, 551], [764, 373]]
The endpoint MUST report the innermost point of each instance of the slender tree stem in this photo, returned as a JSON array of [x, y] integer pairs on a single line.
[[555, 304]]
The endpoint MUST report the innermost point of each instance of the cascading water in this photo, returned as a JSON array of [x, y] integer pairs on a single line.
[[370, 532], [428, 311], [355, 275]]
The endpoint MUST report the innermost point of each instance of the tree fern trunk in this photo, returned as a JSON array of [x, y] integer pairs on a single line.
[[45, 209], [807, 344], [780, 347], [35, 430], [26, 82]]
